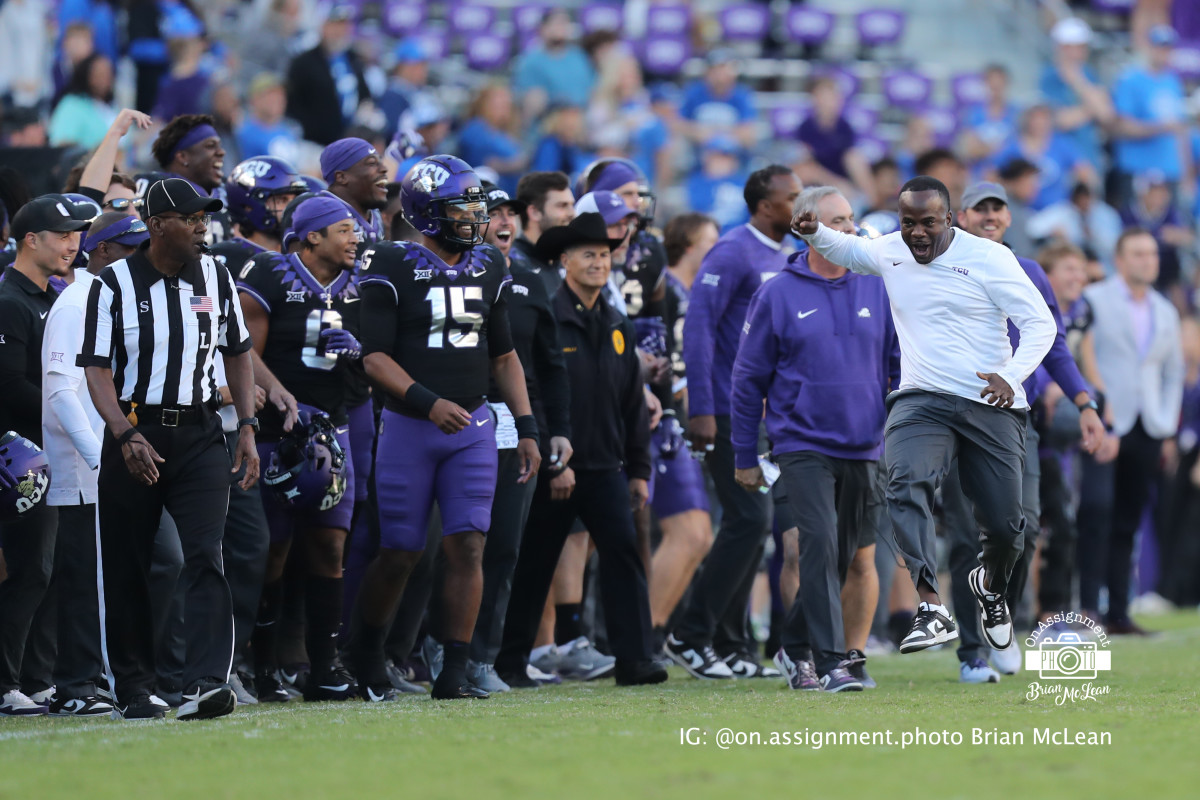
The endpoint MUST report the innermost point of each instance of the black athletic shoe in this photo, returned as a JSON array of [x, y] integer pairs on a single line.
[[700, 662], [519, 680], [839, 679], [994, 621], [138, 709], [333, 683], [446, 688], [378, 694], [930, 626], [639, 673], [207, 701], [856, 663], [270, 689], [80, 707]]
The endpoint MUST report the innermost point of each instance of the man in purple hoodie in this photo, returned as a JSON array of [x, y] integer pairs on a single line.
[[820, 347], [740, 262]]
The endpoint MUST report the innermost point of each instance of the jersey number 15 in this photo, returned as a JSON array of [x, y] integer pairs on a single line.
[[460, 327]]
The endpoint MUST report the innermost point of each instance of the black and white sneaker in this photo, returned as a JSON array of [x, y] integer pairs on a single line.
[[801, 675], [378, 694], [80, 707], [270, 688], [839, 679], [699, 662], [994, 620], [744, 665], [931, 626], [207, 701], [16, 704], [138, 709], [334, 683], [856, 662]]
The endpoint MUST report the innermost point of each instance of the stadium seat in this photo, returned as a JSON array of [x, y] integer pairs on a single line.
[[663, 56], [744, 22], [527, 18], [968, 89], [1121, 7], [943, 121], [786, 120], [907, 89], [861, 118], [435, 40], [487, 52], [668, 19], [879, 26], [872, 148], [601, 17], [808, 26], [1185, 60], [847, 80], [401, 19], [469, 19]]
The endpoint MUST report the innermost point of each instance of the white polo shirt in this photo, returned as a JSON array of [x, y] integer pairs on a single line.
[[71, 427]]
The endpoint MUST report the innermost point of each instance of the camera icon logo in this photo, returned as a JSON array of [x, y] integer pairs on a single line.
[[1068, 657]]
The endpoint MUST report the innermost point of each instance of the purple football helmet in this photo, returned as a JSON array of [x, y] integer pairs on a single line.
[[307, 467], [252, 183], [313, 184], [406, 144], [647, 200], [440, 196], [24, 476]]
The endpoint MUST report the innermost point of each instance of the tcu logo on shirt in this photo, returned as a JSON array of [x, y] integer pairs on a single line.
[[430, 176], [961, 270]]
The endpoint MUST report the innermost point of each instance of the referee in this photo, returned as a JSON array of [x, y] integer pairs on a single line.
[[155, 386]]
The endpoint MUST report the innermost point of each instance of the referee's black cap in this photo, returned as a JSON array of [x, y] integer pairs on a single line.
[[180, 196], [50, 212]]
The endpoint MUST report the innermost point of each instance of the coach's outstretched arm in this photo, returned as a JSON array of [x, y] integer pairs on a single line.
[[852, 252]]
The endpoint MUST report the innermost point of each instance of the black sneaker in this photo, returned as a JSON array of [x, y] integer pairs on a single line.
[[332, 683], [519, 680], [856, 662], [930, 626], [839, 679], [270, 689], [639, 673], [745, 665], [207, 701], [700, 662], [447, 688], [378, 694], [80, 707], [994, 621], [138, 709]]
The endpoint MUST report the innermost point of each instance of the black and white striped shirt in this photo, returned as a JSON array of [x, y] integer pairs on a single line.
[[159, 335]]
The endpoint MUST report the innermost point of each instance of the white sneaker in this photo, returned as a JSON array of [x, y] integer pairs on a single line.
[[541, 677], [17, 704], [700, 662], [977, 671], [1008, 660], [43, 698]]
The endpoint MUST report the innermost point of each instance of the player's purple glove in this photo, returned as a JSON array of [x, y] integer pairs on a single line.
[[340, 342], [673, 441], [651, 335]]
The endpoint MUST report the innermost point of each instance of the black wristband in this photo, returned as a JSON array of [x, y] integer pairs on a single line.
[[420, 398], [527, 427], [126, 436]]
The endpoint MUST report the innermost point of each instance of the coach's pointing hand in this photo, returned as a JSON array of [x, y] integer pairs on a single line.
[[805, 224], [997, 392]]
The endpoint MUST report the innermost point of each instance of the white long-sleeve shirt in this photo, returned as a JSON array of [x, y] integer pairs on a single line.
[[951, 314]]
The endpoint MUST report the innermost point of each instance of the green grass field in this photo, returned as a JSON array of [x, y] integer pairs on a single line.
[[595, 741]]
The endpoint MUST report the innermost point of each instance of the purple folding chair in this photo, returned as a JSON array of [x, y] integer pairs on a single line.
[[401, 19], [744, 22], [906, 88], [786, 120], [808, 26], [528, 18], [968, 89], [436, 42], [601, 17], [487, 52], [943, 121], [664, 55], [847, 81], [1120, 7], [670, 19], [879, 26], [872, 148], [468, 19], [1185, 60], [861, 118]]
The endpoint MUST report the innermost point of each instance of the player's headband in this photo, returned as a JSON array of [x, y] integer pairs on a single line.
[[194, 137], [343, 154], [313, 215]]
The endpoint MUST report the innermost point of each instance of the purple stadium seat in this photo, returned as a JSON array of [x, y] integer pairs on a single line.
[[668, 19], [664, 56], [401, 19], [846, 79], [943, 121], [785, 120], [1121, 7], [810, 26], [872, 148], [861, 118], [470, 18], [879, 26], [528, 18], [905, 88], [744, 22], [1185, 60], [968, 89], [601, 17], [487, 52], [436, 42]]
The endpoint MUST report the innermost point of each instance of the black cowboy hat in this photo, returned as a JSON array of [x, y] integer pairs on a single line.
[[586, 228]]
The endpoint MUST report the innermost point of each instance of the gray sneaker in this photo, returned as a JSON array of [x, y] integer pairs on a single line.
[[244, 698], [483, 676], [583, 662], [548, 662], [433, 653]]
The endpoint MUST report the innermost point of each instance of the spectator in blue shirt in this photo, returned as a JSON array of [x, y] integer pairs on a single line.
[[990, 126], [717, 188], [486, 141], [717, 103], [1080, 102], [555, 70], [410, 74], [97, 15], [265, 131], [1058, 164], [833, 159], [1150, 126], [561, 148], [185, 89]]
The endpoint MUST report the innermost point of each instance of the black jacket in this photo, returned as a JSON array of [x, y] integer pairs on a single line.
[[547, 272], [23, 311], [313, 99], [609, 419]]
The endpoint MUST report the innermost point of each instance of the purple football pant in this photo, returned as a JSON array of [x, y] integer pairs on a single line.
[[283, 520], [415, 464], [362, 439], [678, 483]]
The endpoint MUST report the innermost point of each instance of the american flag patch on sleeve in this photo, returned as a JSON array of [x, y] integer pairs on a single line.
[[201, 305]]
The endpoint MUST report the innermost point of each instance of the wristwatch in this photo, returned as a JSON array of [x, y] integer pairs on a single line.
[[251, 421], [1090, 404]]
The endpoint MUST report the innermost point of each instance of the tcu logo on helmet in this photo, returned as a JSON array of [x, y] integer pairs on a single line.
[[252, 169], [31, 490], [429, 175]]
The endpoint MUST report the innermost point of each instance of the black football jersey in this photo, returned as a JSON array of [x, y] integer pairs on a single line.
[[220, 226], [442, 324], [235, 253], [369, 232], [642, 275], [299, 308], [675, 306]]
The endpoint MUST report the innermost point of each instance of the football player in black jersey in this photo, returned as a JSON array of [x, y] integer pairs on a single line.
[[302, 314], [189, 147], [435, 328], [257, 192], [356, 174]]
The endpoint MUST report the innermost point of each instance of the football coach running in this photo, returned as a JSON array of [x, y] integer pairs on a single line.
[[960, 391], [153, 326]]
